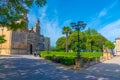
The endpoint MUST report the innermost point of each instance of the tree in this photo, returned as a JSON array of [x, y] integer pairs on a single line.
[[95, 40], [60, 43], [66, 30], [109, 45], [90, 40], [73, 41], [2, 40], [12, 12]]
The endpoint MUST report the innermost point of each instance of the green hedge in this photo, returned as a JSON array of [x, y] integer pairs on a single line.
[[61, 57], [68, 61]]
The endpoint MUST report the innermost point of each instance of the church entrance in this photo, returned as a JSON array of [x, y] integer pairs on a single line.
[[31, 47]]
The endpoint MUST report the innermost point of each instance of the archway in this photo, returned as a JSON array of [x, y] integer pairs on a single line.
[[31, 49]]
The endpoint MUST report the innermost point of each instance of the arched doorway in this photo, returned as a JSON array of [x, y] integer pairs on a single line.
[[31, 47]]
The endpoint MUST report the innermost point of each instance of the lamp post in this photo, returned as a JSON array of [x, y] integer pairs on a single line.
[[79, 26]]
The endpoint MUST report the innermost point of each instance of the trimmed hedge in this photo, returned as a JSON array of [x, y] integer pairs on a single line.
[[61, 57]]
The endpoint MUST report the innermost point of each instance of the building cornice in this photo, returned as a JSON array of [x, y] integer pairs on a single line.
[[117, 38]]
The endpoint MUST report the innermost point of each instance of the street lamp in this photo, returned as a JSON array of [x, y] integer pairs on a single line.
[[79, 26]]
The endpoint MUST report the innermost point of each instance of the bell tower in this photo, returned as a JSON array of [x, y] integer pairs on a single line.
[[26, 20], [37, 27]]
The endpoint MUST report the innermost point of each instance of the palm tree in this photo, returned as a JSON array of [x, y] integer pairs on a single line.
[[66, 30]]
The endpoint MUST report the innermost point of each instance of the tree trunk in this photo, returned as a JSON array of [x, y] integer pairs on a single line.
[[66, 43], [90, 46]]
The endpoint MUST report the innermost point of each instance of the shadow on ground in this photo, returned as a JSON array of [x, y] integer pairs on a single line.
[[36, 69], [104, 69]]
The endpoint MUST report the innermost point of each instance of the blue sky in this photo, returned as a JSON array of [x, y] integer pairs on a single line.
[[102, 15]]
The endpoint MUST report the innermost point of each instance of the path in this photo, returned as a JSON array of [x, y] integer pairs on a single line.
[[31, 68], [107, 68]]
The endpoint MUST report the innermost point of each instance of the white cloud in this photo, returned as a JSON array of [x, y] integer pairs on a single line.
[[32, 19], [42, 12], [67, 22], [105, 10], [103, 13], [111, 30], [50, 27], [113, 4]]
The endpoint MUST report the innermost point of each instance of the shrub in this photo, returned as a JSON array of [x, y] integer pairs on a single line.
[[61, 57], [68, 61]]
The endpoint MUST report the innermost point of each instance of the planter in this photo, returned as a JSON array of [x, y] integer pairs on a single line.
[[78, 63]]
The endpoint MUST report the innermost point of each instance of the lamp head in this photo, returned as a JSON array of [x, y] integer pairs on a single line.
[[83, 25], [73, 24], [80, 23]]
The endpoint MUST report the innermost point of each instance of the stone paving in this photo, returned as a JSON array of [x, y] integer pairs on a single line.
[[107, 68], [27, 67]]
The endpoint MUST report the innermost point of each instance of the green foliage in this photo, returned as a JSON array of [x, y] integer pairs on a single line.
[[94, 40], [62, 58], [2, 40], [60, 43], [66, 30], [12, 11], [53, 48], [90, 40], [109, 45], [68, 60]]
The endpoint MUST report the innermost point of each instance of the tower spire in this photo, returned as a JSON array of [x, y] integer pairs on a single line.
[[26, 20], [37, 27]]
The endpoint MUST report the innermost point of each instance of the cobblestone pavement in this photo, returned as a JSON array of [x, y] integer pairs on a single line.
[[27, 67], [107, 68]]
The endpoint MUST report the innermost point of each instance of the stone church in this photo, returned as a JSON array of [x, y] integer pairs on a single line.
[[26, 41]]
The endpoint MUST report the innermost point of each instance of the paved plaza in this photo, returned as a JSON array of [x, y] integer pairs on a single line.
[[107, 68], [28, 67]]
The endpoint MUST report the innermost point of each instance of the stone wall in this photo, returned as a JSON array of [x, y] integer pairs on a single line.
[[5, 48], [19, 43], [16, 42], [47, 43], [117, 46], [107, 53]]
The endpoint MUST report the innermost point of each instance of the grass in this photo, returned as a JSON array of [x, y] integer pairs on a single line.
[[72, 54]]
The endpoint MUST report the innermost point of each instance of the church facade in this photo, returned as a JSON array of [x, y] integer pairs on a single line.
[[26, 41]]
